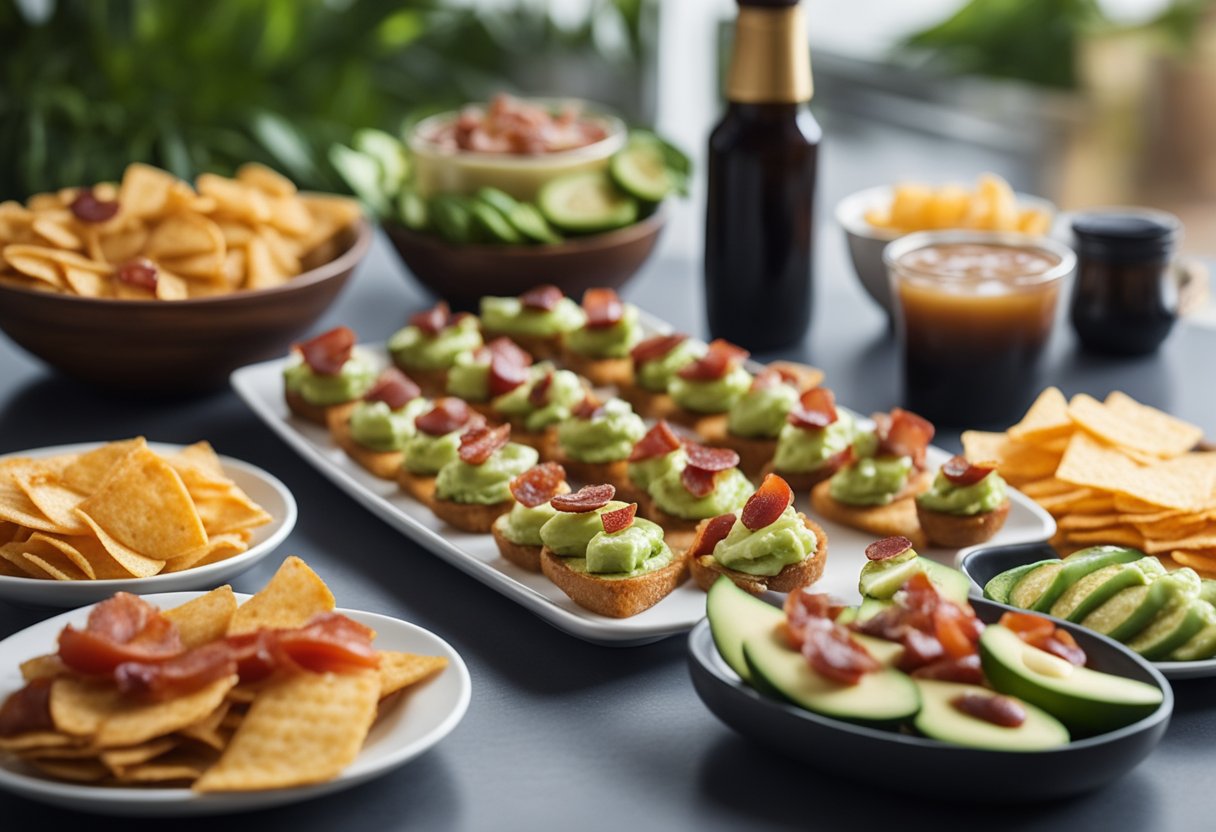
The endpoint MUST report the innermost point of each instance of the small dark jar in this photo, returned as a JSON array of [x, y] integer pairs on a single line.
[[1125, 296]]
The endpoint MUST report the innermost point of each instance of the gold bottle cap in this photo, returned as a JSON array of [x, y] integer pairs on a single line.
[[771, 61]]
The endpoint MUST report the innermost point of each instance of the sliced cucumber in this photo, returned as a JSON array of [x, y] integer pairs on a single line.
[[451, 217], [586, 202], [492, 225], [362, 173], [640, 170], [529, 221], [389, 154], [500, 201], [411, 210]]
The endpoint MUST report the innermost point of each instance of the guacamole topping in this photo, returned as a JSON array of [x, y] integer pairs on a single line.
[[414, 349], [731, 490], [768, 550], [873, 481], [645, 472], [523, 523], [373, 425], [508, 316], [425, 454], [710, 395], [965, 500], [355, 378], [656, 375], [469, 376], [760, 414], [608, 436], [565, 391], [800, 449], [485, 484], [609, 341], [568, 533], [629, 552]]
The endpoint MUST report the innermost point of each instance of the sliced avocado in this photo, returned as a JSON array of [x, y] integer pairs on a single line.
[[886, 653], [1129, 611], [1095, 589], [586, 202], [530, 222], [500, 201], [1207, 590], [1085, 700], [1027, 592], [452, 219], [363, 175], [940, 720], [880, 698], [411, 210], [1111, 554], [1202, 645], [1151, 567], [871, 607], [389, 154], [734, 616], [953, 585], [882, 579], [640, 170], [847, 616], [999, 587], [492, 225], [1054, 582], [1173, 627]]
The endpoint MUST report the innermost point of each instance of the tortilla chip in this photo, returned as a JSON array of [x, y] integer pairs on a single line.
[[42, 667], [36, 739], [1124, 422], [119, 758], [76, 771], [294, 595], [400, 670], [131, 723], [205, 618], [56, 502], [1046, 419], [86, 474]]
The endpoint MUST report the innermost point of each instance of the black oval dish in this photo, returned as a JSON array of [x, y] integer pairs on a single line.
[[984, 563], [929, 767]]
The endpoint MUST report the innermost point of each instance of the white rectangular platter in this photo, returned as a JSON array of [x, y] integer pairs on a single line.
[[261, 386]]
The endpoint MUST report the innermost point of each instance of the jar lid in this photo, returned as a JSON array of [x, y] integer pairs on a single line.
[[1125, 233]]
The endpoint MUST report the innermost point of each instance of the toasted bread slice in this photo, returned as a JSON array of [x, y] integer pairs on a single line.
[[525, 557], [646, 404], [431, 382], [706, 569], [419, 486], [802, 480], [318, 414], [615, 597], [383, 464], [469, 517], [754, 454], [956, 531], [544, 441], [896, 518], [593, 473], [678, 532], [601, 372]]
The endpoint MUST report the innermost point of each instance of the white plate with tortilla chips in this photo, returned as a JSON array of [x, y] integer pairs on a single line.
[[249, 511], [405, 725], [261, 386]]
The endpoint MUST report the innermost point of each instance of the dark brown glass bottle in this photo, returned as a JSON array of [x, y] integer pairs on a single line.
[[763, 159]]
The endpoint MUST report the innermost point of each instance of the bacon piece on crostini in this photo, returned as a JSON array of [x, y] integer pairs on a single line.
[[888, 548], [721, 358], [588, 498], [508, 366], [447, 415], [588, 408], [326, 353], [394, 388], [697, 481], [603, 308], [769, 502], [709, 533], [620, 519], [436, 319], [816, 409], [961, 472], [538, 396], [538, 485], [903, 433], [542, 298], [660, 440], [656, 347], [478, 444]]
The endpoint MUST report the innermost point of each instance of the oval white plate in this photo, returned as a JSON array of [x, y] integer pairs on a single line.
[[263, 488], [409, 725]]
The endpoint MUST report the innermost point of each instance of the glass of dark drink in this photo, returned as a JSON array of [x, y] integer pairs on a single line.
[[974, 311]]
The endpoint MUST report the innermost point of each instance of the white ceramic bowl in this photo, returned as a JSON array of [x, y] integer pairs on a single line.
[[263, 488], [866, 243]]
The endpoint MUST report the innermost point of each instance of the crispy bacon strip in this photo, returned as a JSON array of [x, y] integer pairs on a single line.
[[28, 709], [120, 629], [710, 533], [538, 396], [588, 498], [541, 298], [888, 548], [994, 708], [447, 415], [832, 652], [620, 519], [436, 319], [603, 308], [326, 353], [652, 349], [588, 408], [140, 273], [508, 366], [722, 358], [478, 444], [771, 377], [86, 207], [711, 459], [816, 409], [697, 481], [538, 485], [394, 388], [961, 472], [905, 434], [660, 440], [1042, 633], [767, 505]]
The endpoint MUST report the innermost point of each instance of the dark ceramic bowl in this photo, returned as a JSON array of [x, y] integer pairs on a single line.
[[927, 767], [463, 274], [984, 563], [170, 347]]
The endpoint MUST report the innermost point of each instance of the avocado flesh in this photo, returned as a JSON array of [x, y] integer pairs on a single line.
[[886, 653], [880, 698], [1084, 700], [999, 588], [1095, 589], [1055, 582], [1027, 592], [1151, 567], [1173, 627], [871, 607], [1202, 645], [882, 579], [940, 720], [953, 585], [1129, 611], [734, 616]]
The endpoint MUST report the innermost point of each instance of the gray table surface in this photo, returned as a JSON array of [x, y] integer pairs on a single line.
[[566, 735]]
